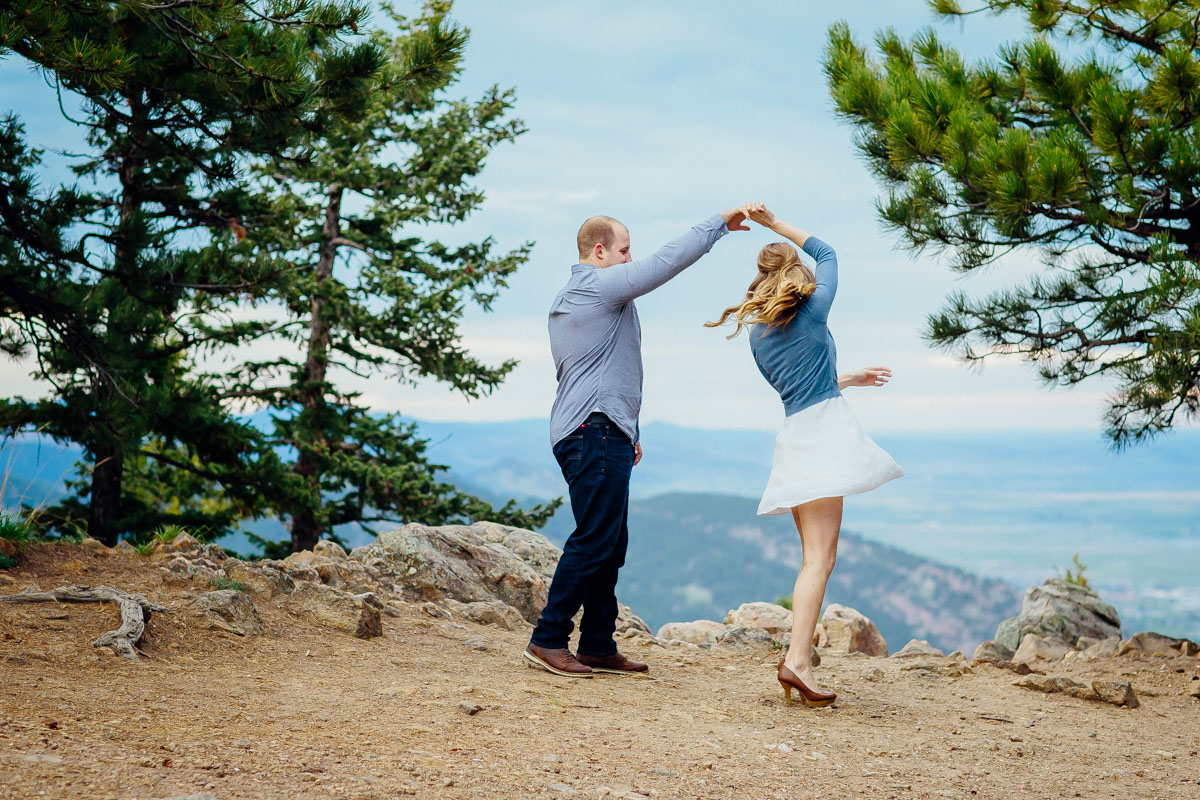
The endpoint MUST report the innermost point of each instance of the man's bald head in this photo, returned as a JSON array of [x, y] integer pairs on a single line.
[[600, 230]]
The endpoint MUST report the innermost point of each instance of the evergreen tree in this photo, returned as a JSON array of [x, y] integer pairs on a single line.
[[1094, 161], [372, 297], [114, 285]]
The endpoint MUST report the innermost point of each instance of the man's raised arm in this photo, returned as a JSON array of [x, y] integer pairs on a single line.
[[621, 283]]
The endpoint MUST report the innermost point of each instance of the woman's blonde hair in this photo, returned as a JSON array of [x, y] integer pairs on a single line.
[[782, 285]]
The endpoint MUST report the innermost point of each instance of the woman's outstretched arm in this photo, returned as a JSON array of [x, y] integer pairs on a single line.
[[821, 300], [763, 216], [867, 376]]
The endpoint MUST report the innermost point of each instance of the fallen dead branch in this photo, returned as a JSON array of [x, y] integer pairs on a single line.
[[135, 612]]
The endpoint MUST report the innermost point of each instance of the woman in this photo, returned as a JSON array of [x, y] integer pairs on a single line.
[[821, 454]]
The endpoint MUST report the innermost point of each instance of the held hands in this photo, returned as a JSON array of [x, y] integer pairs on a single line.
[[759, 213], [735, 220], [867, 376]]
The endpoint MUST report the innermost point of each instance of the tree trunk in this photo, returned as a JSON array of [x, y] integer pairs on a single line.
[[306, 525], [109, 460], [105, 503]]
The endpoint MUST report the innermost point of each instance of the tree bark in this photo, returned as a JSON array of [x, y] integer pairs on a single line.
[[306, 526]]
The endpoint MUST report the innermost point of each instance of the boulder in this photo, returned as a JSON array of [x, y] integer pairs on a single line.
[[849, 631], [1106, 648], [329, 549], [488, 612], [227, 610], [124, 546], [258, 580], [1034, 648], [356, 614], [629, 621], [1156, 644], [1119, 693], [992, 651], [1008, 634], [740, 637], [772, 618], [183, 544], [698, 632], [1062, 611], [917, 647]]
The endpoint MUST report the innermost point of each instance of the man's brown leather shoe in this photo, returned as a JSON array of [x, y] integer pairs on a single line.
[[560, 662], [616, 663]]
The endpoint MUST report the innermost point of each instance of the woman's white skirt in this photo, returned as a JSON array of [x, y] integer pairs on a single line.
[[822, 451]]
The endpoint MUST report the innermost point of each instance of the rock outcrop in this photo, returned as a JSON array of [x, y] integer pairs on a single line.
[[1117, 693], [1061, 611]]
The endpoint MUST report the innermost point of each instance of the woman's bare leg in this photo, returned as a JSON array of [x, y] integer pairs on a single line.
[[819, 524]]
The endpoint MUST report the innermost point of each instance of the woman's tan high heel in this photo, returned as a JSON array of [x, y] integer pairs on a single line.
[[789, 681]]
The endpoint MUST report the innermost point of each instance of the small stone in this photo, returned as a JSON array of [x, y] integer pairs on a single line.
[[917, 647], [664, 772], [436, 611], [476, 643], [244, 743], [562, 787], [875, 675], [41, 758], [16, 660], [471, 708], [56, 613], [816, 756]]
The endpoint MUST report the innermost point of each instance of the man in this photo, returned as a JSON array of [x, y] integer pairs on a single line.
[[597, 345]]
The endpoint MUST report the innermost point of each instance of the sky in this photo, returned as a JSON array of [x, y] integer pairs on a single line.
[[661, 114]]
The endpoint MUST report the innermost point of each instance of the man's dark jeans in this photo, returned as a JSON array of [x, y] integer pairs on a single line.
[[596, 459]]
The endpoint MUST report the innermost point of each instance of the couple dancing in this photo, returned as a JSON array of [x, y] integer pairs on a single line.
[[820, 455]]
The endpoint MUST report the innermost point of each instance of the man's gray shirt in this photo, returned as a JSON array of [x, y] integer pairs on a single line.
[[596, 338]]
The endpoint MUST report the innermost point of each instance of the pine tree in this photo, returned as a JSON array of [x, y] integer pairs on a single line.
[[116, 285], [374, 298], [1092, 161]]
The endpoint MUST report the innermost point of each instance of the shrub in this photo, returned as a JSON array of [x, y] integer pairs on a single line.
[[7, 562], [226, 583], [15, 529], [1077, 577], [784, 600]]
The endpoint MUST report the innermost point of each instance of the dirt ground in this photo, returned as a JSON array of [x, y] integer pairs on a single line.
[[437, 709]]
